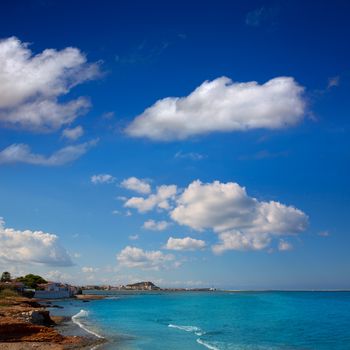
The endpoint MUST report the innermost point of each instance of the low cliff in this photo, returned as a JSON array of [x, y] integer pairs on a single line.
[[24, 320]]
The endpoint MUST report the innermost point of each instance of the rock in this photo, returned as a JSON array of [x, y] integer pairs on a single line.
[[39, 317], [12, 329]]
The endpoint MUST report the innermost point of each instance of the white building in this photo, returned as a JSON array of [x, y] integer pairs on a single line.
[[54, 290]]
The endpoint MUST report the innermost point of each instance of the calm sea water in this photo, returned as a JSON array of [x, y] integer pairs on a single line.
[[218, 320]]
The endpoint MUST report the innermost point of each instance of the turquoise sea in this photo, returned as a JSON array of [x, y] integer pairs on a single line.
[[217, 320]]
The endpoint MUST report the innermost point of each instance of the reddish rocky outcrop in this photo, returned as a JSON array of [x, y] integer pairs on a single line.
[[25, 321]]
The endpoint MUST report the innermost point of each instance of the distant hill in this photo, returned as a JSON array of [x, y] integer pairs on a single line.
[[142, 286]]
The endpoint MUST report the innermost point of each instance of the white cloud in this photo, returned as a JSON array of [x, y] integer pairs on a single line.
[[31, 247], [160, 199], [190, 155], [102, 179], [242, 222], [89, 269], [21, 153], [236, 240], [58, 276], [284, 245], [133, 237], [137, 185], [133, 257], [44, 115], [156, 225], [73, 133], [186, 243], [30, 85], [222, 106]]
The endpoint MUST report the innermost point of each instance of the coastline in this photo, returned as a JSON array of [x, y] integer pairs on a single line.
[[26, 323], [64, 327], [90, 297]]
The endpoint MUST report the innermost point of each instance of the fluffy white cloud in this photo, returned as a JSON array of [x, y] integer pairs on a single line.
[[284, 245], [236, 240], [156, 225], [160, 199], [44, 115], [242, 222], [21, 153], [186, 243], [102, 179], [31, 247], [30, 85], [73, 133], [137, 185], [222, 106], [133, 257]]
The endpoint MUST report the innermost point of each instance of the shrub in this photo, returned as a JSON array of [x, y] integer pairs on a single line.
[[5, 293], [31, 280]]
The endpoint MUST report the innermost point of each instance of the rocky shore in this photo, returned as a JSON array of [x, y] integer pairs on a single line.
[[26, 324]]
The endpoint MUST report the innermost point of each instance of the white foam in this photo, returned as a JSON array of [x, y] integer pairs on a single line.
[[207, 345], [192, 329], [82, 314], [95, 347]]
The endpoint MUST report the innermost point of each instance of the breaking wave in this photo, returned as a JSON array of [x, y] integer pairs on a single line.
[[197, 331], [207, 345], [83, 314], [192, 329]]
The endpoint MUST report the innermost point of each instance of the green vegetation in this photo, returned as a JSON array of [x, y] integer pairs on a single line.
[[5, 293], [6, 277], [31, 281]]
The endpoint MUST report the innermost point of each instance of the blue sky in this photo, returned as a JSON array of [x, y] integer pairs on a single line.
[[136, 160]]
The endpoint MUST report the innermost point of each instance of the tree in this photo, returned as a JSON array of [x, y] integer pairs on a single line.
[[31, 280], [6, 277]]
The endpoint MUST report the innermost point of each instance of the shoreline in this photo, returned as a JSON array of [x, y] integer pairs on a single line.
[[90, 297], [27, 323]]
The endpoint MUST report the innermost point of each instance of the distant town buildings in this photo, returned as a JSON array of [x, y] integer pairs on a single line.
[[35, 286]]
